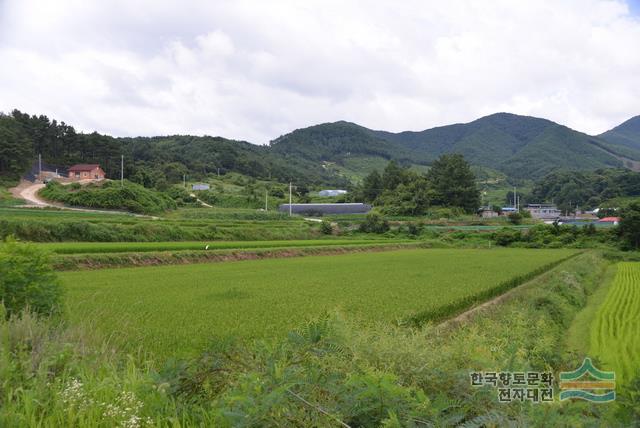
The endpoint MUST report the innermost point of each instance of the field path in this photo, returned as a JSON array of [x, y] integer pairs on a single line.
[[470, 313], [614, 334]]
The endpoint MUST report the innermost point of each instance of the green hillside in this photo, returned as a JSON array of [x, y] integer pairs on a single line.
[[519, 146], [625, 138]]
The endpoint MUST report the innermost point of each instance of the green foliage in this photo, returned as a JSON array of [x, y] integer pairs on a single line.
[[374, 223], [515, 218], [326, 228], [569, 189], [16, 150], [401, 192], [111, 195], [453, 183], [27, 280], [629, 227]]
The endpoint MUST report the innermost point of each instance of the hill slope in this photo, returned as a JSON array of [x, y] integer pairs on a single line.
[[625, 138], [518, 146]]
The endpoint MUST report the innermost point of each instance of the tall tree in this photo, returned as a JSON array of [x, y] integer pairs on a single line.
[[372, 186], [453, 183], [16, 150], [629, 228]]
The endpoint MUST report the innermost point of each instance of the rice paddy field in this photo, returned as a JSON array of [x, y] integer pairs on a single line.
[[180, 310], [615, 334]]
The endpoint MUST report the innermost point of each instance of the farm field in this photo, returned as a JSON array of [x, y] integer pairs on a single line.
[[121, 247], [181, 309], [614, 336]]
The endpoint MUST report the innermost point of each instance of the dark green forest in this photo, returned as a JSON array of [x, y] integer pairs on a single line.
[[519, 147], [585, 189], [151, 161]]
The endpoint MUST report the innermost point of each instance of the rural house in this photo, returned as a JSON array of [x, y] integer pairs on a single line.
[[86, 172], [544, 211]]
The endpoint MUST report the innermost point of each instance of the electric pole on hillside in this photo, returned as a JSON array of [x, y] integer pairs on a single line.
[[39, 166], [290, 199], [184, 180], [515, 200], [122, 171], [266, 200]]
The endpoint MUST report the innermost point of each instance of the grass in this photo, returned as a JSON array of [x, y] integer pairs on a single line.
[[181, 309], [614, 334], [126, 247]]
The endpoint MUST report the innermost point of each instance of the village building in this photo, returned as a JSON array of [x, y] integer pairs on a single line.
[[331, 192], [487, 212], [543, 211], [200, 186], [86, 172]]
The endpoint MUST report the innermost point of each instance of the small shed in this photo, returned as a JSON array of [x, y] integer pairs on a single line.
[[200, 186], [331, 192]]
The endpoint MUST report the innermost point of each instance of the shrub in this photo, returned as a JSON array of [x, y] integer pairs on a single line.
[[515, 218], [326, 228], [27, 280], [506, 236], [111, 195], [374, 223]]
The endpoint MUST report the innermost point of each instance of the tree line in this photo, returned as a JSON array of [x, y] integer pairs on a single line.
[[400, 191], [150, 161]]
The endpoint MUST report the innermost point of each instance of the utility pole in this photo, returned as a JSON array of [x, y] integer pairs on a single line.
[[184, 180], [515, 195], [218, 171], [266, 200], [39, 166], [290, 199], [122, 171]]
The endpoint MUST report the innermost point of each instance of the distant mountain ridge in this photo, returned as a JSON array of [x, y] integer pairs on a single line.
[[518, 146], [499, 146]]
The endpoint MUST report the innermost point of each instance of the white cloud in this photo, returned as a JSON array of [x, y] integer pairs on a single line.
[[254, 70]]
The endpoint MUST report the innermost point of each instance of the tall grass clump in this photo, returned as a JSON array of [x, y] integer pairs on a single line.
[[27, 280]]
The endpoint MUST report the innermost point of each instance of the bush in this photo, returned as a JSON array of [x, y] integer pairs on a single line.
[[515, 218], [374, 223], [326, 228], [27, 280], [506, 236], [111, 195]]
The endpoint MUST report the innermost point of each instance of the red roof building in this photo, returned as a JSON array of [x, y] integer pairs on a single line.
[[86, 172], [610, 220]]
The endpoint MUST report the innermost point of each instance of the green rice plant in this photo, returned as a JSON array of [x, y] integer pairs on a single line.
[[184, 308], [614, 335]]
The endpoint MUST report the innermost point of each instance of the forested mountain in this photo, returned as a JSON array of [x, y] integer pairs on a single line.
[[519, 147], [151, 161], [625, 138]]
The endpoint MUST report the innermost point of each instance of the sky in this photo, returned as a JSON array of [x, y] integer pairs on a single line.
[[255, 70]]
